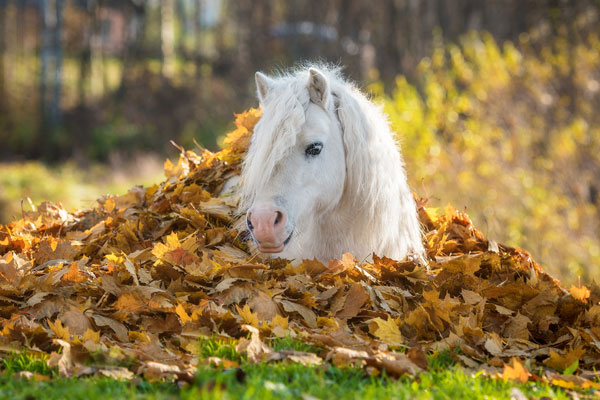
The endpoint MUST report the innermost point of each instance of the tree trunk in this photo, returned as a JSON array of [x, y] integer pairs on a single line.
[[51, 72], [167, 37]]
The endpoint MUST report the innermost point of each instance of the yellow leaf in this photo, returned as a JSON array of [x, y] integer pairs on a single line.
[[109, 205], [387, 331], [327, 322], [131, 302], [280, 321], [59, 330], [564, 384], [185, 318], [136, 336], [171, 244], [91, 335], [115, 259], [247, 315]]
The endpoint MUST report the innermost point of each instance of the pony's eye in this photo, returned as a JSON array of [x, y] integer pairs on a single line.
[[313, 149]]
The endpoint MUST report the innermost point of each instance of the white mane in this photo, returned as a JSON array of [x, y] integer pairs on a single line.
[[376, 212]]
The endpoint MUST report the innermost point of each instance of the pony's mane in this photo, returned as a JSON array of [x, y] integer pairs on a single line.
[[285, 104]]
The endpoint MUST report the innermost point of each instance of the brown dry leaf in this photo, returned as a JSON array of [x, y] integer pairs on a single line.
[[222, 362], [560, 362], [395, 364], [131, 303], [518, 327], [493, 344], [118, 328], [300, 357], [355, 299], [153, 370], [63, 361], [279, 326], [309, 316], [471, 297], [253, 347], [264, 306], [75, 321], [119, 373], [32, 376], [342, 356]]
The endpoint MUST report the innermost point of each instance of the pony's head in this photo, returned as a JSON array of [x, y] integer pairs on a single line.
[[295, 170]]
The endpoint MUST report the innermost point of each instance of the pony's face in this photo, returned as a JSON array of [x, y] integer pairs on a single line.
[[303, 167]]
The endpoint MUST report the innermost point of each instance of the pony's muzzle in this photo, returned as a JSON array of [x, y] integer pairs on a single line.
[[267, 225]]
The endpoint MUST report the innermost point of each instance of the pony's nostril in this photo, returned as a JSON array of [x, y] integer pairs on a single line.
[[250, 226], [278, 217]]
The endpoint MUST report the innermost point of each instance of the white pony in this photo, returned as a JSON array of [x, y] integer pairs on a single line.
[[323, 175]]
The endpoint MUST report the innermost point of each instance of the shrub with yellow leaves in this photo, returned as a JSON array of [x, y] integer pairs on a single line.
[[510, 132]]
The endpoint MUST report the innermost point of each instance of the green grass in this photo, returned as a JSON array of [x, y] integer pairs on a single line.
[[17, 362], [444, 380]]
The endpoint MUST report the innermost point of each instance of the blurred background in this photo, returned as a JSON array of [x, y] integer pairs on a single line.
[[496, 102]]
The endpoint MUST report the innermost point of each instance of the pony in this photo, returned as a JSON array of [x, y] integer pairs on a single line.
[[324, 175]]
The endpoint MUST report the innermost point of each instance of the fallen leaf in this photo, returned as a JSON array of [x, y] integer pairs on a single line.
[[386, 330], [515, 372]]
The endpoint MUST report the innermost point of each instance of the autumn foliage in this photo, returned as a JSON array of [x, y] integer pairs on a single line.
[[129, 287]]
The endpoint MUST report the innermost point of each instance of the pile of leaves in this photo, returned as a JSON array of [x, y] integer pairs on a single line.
[[130, 287]]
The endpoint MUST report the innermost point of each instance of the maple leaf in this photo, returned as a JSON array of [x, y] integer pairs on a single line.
[[338, 266], [560, 362], [59, 330], [515, 372], [386, 330], [279, 325], [91, 335], [247, 315]]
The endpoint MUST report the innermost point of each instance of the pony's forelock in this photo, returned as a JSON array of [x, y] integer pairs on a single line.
[[285, 105]]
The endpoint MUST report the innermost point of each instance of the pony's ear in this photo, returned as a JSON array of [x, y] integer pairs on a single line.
[[263, 85], [318, 87]]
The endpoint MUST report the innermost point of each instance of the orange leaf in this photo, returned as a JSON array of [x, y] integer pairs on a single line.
[[580, 293], [74, 275], [183, 315], [516, 372]]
